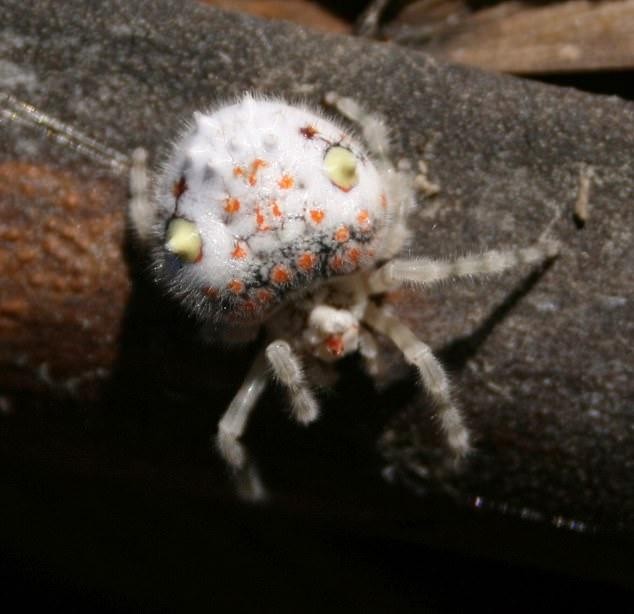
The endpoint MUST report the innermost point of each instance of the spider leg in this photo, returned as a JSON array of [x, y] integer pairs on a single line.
[[432, 374], [141, 210], [425, 271], [234, 421], [372, 126], [288, 370]]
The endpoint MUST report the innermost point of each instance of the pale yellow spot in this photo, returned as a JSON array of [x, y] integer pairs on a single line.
[[340, 165], [183, 239]]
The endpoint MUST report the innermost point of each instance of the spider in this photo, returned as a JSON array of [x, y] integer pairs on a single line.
[[270, 216]]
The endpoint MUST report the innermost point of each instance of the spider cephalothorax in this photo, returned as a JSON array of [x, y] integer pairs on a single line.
[[268, 215]]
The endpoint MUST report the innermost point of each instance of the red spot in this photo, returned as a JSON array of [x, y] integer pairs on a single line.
[[235, 286], [306, 261], [334, 344], [256, 165], [280, 274], [239, 253], [286, 182], [249, 306], [232, 205], [342, 234], [317, 215], [179, 188], [308, 132], [264, 296], [211, 293]]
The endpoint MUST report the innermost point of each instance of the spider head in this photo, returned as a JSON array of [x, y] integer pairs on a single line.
[[331, 333]]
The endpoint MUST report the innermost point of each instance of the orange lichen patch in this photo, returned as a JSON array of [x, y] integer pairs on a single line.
[[276, 210], [286, 182], [317, 215], [363, 217], [264, 296], [256, 165], [260, 220], [235, 286], [383, 200], [239, 171], [232, 205], [306, 261], [334, 344], [239, 252], [342, 234], [308, 132], [179, 188], [280, 274], [212, 293]]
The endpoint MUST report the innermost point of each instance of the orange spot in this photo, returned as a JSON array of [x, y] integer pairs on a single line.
[[280, 274], [260, 220], [308, 132], [317, 215], [232, 205], [264, 296], [363, 217], [383, 200], [353, 255], [235, 286], [211, 293], [179, 187], [239, 253], [336, 263], [256, 165], [238, 171], [306, 261], [342, 234], [275, 208], [286, 182], [334, 343]]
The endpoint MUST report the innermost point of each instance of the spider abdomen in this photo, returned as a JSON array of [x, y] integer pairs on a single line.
[[260, 199]]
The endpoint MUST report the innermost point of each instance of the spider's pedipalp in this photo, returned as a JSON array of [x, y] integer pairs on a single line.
[[288, 370], [432, 374], [426, 271]]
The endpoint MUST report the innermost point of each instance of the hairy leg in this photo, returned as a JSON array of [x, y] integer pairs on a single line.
[[234, 421], [424, 271], [288, 370], [141, 210], [432, 374]]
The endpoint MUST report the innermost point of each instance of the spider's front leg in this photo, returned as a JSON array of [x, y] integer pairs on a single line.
[[288, 370], [432, 374]]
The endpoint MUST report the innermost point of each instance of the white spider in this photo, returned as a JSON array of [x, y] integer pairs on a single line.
[[270, 215]]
